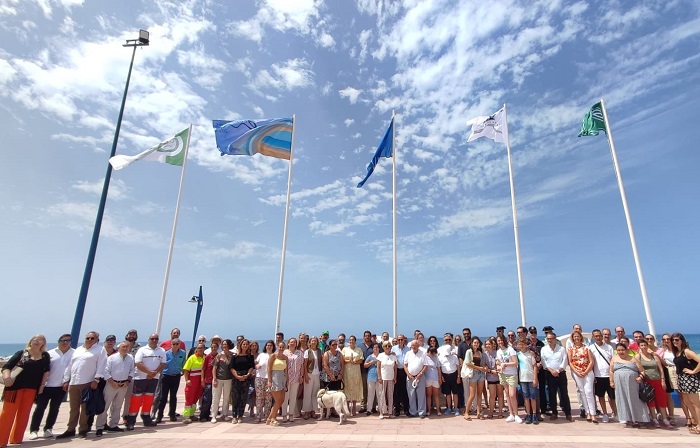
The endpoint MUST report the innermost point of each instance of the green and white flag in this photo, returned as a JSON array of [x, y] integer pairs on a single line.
[[593, 122], [171, 151]]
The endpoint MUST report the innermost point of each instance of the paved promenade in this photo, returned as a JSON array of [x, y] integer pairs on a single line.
[[363, 431]]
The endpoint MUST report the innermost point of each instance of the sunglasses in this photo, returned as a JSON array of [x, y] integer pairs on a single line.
[[111, 340], [90, 338], [65, 341], [676, 339]]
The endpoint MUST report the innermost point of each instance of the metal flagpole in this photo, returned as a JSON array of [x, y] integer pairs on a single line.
[[143, 40], [172, 235], [393, 160], [515, 220], [284, 235], [637, 263]]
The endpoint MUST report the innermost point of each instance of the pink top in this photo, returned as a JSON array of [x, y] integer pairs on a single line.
[[295, 361]]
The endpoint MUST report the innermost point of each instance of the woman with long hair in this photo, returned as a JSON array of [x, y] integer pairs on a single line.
[[687, 367], [24, 375], [494, 385], [353, 358], [277, 381], [666, 354], [433, 342], [507, 366], [433, 380], [242, 367], [313, 365], [263, 395], [626, 373], [474, 360], [254, 351], [654, 375]]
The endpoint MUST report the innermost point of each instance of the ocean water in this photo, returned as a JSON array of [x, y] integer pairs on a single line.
[[7, 350]]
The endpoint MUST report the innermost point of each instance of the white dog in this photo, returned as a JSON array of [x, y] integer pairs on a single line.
[[328, 399]]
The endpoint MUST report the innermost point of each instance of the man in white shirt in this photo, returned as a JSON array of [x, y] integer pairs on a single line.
[[603, 353], [149, 362], [554, 361], [86, 367], [449, 362], [53, 394], [415, 365], [119, 372]]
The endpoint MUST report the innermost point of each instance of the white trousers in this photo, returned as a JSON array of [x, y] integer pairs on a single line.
[[289, 406], [224, 387], [311, 394], [585, 386], [114, 399]]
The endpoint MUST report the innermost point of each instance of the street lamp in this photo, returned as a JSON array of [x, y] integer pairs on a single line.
[[142, 41], [199, 300]]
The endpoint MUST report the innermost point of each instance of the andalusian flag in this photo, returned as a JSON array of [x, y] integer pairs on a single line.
[[593, 122], [171, 151]]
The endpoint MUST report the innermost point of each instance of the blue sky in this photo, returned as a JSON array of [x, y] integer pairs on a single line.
[[342, 67]]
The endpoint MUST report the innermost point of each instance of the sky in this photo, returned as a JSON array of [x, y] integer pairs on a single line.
[[341, 68]]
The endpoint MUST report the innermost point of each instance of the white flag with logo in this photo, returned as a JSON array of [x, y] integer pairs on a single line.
[[171, 151], [493, 127]]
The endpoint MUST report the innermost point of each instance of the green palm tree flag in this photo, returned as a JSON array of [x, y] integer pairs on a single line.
[[593, 122]]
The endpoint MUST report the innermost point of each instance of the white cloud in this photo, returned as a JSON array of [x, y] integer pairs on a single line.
[[117, 188], [290, 75], [348, 122], [300, 16], [351, 93], [326, 40]]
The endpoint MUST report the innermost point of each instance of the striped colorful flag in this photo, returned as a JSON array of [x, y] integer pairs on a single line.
[[270, 137]]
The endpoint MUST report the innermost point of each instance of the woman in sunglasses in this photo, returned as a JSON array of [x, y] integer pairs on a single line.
[[687, 367]]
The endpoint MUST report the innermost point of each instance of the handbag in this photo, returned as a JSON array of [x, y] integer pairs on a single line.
[[646, 392], [467, 372]]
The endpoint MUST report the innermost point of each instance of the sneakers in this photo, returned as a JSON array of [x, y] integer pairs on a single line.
[[535, 419], [456, 412], [33, 435], [528, 419], [213, 420], [48, 434], [510, 419], [606, 419], [518, 419], [381, 416]]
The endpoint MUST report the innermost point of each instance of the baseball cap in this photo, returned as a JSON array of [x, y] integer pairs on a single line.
[[326, 332]]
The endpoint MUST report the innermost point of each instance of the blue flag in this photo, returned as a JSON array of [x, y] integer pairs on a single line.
[[271, 137], [385, 149]]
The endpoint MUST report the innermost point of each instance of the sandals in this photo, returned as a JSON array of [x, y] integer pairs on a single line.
[[467, 418], [274, 423], [480, 417]]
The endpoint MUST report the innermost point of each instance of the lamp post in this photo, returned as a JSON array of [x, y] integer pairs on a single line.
[[143, 40], [199, 300]]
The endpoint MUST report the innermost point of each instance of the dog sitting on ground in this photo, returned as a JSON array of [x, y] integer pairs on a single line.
[[328, 399]]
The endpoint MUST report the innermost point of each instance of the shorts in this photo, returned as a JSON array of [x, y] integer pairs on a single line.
[[506, 379], [147, 386], [435, 384], [529, 391], [478, 377], [449, 385], [602, 386]]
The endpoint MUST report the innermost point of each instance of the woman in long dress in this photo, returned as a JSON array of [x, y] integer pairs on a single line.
[[626, 373], [353, 357]]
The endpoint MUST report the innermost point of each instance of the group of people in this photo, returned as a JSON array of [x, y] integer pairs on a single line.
[[108, 384]]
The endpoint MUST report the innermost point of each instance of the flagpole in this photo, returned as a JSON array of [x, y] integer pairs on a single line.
[[637, 263], [515, 222], [393, 160], [159, 321], [284, 235]]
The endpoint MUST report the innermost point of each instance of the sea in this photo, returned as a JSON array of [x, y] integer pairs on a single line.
[[7, 350]]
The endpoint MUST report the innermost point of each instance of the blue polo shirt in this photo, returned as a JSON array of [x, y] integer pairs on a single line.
[[174, 362]]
